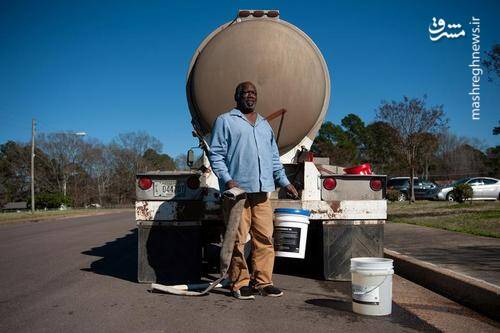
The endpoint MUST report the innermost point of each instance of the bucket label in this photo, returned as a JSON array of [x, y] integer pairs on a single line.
[[365, 294], [287, 239]]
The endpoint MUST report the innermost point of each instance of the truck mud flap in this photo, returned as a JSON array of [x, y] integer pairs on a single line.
[[344, 241], [169, 254]]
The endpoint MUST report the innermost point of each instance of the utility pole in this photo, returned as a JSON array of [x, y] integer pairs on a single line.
[[33, 166]]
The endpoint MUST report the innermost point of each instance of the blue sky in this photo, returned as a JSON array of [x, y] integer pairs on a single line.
[[107, 67]]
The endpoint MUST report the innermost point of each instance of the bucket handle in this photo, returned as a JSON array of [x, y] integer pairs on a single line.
[[367, 292]]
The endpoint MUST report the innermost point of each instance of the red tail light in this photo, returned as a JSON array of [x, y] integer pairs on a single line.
[[376, 184], [145, 183], [273, 13], [258, 13], [329, 183], [193, 182], [244, 13]]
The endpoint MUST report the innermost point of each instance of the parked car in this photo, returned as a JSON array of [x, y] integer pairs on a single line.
[[398, 183], [423, 189], [483, 188]]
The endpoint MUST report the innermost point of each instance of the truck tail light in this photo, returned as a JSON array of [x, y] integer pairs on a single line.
[[193, 182], [145, 183], [244, 13], [259, 13], [376, 184], [273, 13], [329, 183]]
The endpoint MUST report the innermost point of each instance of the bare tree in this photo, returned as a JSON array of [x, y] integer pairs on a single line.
[[181, 162], [84, 170], [496, 129], [100, 167], [412, 119], [137, 143], [460, 156], [65, 151], [492, 62], [426, 151]]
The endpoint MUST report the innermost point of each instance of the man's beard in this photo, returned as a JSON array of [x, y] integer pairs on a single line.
[[248, 105]]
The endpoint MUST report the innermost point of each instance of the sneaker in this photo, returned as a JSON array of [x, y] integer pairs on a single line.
[[245, 292], [270, 291]]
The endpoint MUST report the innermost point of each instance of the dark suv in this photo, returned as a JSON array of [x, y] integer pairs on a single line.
[[424, 189]]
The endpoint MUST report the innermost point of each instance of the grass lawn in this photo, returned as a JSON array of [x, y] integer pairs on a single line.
[[479, 218], [44, 215]]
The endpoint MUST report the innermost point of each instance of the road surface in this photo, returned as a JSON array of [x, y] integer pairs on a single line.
[[79, 275]]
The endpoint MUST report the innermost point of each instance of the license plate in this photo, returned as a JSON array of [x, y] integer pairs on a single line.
[[168, 188]]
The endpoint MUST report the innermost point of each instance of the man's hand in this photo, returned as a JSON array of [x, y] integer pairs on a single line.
[[292, 191], [230, 184]]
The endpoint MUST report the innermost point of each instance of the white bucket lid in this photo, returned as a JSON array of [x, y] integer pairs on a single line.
[[371, 264]]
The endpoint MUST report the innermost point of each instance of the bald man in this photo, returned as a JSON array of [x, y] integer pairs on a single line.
[[244, 154]]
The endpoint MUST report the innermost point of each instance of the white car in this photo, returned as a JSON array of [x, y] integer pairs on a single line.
[[484, 188]]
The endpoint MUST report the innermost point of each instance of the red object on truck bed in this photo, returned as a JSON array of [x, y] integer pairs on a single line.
[[363, 169]]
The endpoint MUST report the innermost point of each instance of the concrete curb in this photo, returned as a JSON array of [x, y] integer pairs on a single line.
[[477, 294]]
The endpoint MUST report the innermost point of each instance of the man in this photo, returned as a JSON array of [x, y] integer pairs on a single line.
[[244, 154]]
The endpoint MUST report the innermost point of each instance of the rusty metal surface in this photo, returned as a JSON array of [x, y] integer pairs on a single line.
[[142, 211], [179, 177], [193, 210], [352, 222], [282, 61], [353, 187], [338, 210]]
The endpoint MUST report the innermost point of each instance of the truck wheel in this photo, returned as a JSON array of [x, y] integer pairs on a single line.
[[402, 197], [450, 197]]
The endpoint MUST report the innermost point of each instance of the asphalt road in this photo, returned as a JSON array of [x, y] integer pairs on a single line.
[[79, 275]]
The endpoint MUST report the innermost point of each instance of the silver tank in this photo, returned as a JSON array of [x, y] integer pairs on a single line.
[[282, 61]]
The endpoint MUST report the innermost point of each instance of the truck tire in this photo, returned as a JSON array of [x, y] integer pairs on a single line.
[[450, 197]]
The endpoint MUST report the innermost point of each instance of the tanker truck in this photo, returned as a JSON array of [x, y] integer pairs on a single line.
[[178, 213]]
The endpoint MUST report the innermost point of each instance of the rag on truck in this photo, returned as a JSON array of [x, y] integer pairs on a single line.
[[234, 201]]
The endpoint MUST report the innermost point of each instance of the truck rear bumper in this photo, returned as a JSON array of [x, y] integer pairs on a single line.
[[192, 210], [186, 210], [338, 210]]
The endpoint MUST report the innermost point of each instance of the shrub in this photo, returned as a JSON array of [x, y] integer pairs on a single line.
[[51, 200], [392, 195], [462, 192]]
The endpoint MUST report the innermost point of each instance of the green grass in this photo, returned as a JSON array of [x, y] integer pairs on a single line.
[[44, 215], [478, 218]]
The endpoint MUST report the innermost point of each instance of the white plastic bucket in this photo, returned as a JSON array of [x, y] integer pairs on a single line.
[[290, 232], [372, 286]]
